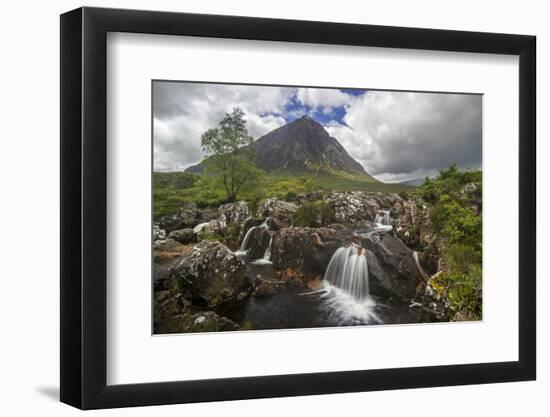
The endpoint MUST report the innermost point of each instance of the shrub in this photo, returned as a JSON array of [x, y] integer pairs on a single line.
[[314, 214]]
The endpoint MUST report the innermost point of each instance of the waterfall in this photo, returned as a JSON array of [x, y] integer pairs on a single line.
[[383, 221], [267, 254], [348, 270], [264, 226], [419, 266], [383, 218]]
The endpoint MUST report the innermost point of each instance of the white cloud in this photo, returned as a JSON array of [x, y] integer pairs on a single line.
[[183, 111], [411, 133], [322, 97]]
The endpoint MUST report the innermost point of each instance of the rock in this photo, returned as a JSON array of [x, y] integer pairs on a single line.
[[212, 273], [213, 227], [258, 242], [351, 207], [182, 236], [174, 314], [280, 212], [234, 213], [188, 215], [167, 250], [393, 272], [158, 233], [209, 321], [161, 277], [308, 249]]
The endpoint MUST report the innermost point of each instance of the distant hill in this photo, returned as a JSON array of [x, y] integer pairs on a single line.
[[302, 147]]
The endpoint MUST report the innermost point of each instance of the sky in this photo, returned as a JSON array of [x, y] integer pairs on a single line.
[[395, 135]]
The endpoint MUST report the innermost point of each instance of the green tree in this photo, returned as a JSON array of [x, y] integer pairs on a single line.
[[231, 160]]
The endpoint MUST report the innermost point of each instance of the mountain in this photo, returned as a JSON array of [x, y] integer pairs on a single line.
[[299, 147]]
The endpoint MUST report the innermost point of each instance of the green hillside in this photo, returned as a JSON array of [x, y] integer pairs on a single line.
[[171, 188]]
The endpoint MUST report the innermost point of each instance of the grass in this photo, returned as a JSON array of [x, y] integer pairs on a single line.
[[170, 189]]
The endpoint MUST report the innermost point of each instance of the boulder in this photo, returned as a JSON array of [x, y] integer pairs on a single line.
[[280, 212], [393, 271], [175, 314], [308, 249], [188, 215], [234, 213], [183, 236], [212, 273]]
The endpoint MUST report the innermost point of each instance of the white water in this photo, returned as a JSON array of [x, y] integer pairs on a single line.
[[198, 228], [383, 221], [419, 266], [264, 226], [348, 270], [345, 309]]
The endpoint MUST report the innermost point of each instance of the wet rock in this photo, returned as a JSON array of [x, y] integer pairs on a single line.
[[212, 273], [234, 213], [393, 272], [280, 211], [183, 236], [308, 249]]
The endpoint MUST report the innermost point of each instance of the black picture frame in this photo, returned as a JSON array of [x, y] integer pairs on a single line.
[[84, 207]]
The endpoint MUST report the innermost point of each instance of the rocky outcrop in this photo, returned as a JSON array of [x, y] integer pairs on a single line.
[[212, 273], [188, 215], [393, 272], [234, 213], [308, 249], [280, 212], [175, 314], [183, 236], [351, 207]]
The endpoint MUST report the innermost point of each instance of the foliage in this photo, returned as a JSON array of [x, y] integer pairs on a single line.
[[230, 163], [455, 216], [314, 214], [169, 191]]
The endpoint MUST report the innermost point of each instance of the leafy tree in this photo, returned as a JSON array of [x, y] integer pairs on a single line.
[[230, 163]]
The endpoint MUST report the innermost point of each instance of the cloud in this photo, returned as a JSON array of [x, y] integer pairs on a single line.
[[183, 111], [323, 98], [394, 135]]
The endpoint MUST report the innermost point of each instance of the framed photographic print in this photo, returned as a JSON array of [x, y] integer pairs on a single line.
[[257, 207]]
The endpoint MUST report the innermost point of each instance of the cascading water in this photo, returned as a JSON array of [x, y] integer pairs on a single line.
[[264, 226], [267, 253], [349, 271], [383, 218], [383, 221]]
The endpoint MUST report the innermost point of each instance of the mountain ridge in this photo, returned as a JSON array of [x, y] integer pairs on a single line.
[[302, 145]]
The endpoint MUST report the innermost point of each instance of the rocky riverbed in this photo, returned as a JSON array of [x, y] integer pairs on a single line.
[[234, 269]]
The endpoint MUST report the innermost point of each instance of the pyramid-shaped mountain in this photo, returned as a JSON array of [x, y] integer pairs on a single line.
[[301, 146]]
